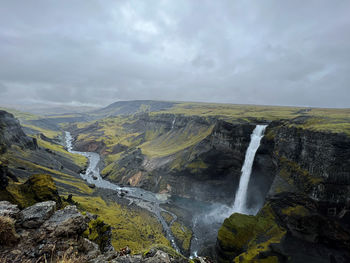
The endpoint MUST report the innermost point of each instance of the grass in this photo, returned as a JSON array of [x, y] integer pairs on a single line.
[[48, 133], [182, 234], [321, 119], [175, 141], [66, 183], [136, 229], [24, 116]]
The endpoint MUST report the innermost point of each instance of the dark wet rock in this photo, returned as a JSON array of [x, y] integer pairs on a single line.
[[34, 216], [91, 185], [94, 177], [312, 162], [8, 209]]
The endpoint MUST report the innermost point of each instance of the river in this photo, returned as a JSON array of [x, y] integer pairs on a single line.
[[142, 198]]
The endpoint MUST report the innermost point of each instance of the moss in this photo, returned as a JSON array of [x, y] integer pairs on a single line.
[[98, 232], [134, 228], [37, 188], [246, 238], [197, 165], [295, 175], [297, 210], [167, 217], [182, 234]]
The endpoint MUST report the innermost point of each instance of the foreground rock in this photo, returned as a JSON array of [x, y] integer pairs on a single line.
[[40, 232], [34, 216]]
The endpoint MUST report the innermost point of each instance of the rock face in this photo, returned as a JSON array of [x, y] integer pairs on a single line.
[[289, 228], [44, 232], [11, 133], [316, 163]]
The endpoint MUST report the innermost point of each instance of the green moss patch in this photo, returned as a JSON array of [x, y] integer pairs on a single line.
[[245, 238], [134, 228], [37, 188]]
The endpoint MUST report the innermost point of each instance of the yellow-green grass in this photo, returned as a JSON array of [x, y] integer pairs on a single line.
[[322, 119], [24, 116], [173, 142], [182, 234], [134, 228], [48, 133], [76, 158]]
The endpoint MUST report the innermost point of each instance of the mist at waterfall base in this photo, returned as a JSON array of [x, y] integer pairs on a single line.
[[207, 223]]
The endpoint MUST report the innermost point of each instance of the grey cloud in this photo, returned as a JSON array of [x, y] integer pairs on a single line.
[[244, 51]]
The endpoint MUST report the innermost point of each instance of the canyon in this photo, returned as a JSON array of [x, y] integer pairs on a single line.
[[299, 176]]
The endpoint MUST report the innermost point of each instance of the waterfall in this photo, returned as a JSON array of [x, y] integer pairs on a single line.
[[173, 123], [241, 194]]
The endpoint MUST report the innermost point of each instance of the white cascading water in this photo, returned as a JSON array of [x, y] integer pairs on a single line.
[[240, 205]]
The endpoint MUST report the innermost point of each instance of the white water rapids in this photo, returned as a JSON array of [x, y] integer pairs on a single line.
[[142, 198], [240, 204]]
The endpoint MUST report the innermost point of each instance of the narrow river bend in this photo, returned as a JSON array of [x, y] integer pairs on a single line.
[[142, 198]]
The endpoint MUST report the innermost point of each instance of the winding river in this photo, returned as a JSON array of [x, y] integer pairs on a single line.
[[142, 198]]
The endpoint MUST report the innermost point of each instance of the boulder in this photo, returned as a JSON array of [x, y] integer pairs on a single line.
[[66, 222], [8, 209], [34, 216], [160, 257]]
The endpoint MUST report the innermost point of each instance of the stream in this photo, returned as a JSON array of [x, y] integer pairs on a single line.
[[142, 198]]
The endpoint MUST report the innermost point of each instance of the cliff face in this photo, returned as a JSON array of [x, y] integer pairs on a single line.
[[307, 176], [315, 163], [188, 156], [11, 133]]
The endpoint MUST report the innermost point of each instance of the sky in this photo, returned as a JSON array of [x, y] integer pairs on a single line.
[[271, 52]]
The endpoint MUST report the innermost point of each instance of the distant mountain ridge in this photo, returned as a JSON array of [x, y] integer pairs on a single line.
[[132, 107]]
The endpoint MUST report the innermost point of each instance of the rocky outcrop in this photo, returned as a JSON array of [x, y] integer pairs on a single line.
[[44, 233], [289, 228], [34, 216], [39, 233]]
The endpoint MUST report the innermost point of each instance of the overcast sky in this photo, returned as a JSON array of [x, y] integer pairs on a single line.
[[290, 52]]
